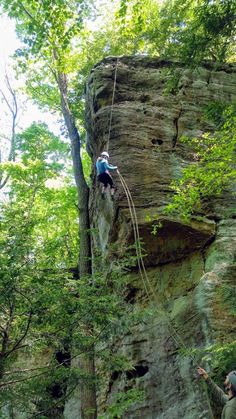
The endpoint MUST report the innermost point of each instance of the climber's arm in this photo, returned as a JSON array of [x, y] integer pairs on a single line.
[[218, 394], [110, 167]]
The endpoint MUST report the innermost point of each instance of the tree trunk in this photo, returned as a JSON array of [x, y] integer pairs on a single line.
[[88, 389], [1, 366], [88, 392]]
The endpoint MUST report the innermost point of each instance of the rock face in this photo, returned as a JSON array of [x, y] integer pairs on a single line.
[[187, 264]]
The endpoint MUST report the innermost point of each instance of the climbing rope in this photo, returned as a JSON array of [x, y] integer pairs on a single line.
[[151, 294], [134, 220], [136, 232], [143, 273], [112, 103]]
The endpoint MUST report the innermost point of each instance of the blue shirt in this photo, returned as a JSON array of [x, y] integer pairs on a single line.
[[103, 166]]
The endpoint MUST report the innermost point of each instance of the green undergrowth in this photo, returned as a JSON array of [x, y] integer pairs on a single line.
[[123, 401], [212, 170]]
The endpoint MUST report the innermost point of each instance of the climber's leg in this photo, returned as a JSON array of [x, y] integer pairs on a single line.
[[112, 188], [103, 191], [103, 180], [112, 193]]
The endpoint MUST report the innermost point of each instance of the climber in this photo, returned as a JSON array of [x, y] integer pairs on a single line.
[[227, 400], [103, 174]]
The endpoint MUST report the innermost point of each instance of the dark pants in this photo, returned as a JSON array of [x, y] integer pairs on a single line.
[[106, 179]]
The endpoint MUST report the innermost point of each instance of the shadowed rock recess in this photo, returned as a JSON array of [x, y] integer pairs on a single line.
[[186, 263]]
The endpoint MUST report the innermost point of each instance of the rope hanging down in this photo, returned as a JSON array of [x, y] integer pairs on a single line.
[[141, 266], [112, 104], [143, 273]]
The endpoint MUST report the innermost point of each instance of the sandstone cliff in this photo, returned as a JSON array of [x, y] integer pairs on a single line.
[[186, 263]]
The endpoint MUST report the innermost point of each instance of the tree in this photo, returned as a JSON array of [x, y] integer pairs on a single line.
[[186, 30], [41, 300], [48, 29], [26, 274], [214, 153], [10, 101], [52, 33], [200, 30]]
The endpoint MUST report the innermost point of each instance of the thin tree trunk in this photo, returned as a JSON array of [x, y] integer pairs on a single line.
[[1, 367], [12, 106], [88, 391]]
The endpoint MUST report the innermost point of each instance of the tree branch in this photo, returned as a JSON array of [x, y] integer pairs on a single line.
[[25, 370], [26, 11], [17, 344], [13, 108], [86, 350]]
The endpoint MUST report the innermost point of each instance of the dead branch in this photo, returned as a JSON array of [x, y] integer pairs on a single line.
[[13, 109]]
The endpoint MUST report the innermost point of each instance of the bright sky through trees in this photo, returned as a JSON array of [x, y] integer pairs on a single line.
[[8, 45]]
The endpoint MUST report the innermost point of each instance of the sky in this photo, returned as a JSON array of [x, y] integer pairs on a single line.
[[29, 112], [8, 44], [8, 40]]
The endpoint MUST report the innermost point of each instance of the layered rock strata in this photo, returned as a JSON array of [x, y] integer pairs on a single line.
[[187, 264]]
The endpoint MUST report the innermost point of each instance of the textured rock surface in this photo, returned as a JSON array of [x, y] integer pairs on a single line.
[[186, 264]]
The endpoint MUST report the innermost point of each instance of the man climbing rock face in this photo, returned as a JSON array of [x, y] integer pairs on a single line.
[[103, 174], [227, 400]]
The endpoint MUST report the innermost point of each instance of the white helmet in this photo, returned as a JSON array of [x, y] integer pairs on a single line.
[[105, 154]]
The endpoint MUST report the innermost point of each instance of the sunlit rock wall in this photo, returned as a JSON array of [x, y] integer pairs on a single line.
[[187, 264]]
